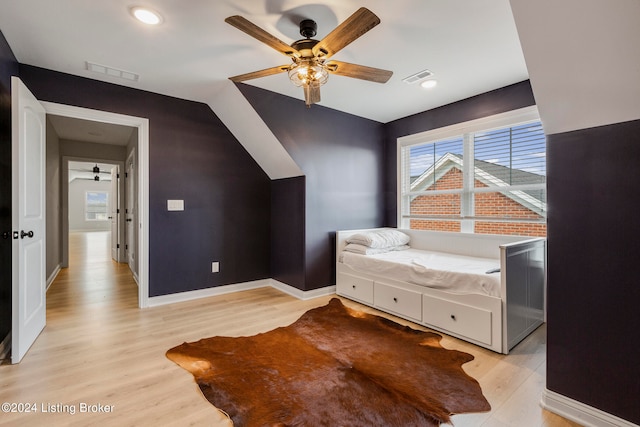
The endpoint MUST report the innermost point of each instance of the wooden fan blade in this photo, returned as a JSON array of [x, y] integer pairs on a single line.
[[258, 33], [359, 71], [356, 25], [311, 93], [262, 73]]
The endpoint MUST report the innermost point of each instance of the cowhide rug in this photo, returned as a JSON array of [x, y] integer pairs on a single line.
[[333, 367]]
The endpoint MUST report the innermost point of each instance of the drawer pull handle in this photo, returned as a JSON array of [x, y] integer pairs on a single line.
[[453, 317], [354, 286], [395, 299]]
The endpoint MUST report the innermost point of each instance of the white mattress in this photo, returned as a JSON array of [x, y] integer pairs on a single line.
[[449, 272]]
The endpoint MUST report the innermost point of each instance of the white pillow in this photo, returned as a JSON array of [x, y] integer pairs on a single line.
[[384, 238], [365, 250]]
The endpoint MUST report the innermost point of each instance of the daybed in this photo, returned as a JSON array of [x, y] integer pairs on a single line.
[[485, 289]]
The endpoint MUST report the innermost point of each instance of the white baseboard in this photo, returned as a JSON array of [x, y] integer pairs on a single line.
[[135, 277], [227, 289], [302, 295], [5, 347], [53, 276], [204, 293], [579, 412]]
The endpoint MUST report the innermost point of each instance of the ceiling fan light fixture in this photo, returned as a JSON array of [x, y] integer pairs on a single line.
[[310, 69], [96, 169], [306, 73], [146, 15]]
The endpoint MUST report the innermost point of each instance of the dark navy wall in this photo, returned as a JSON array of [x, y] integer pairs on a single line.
[[288, 231], [8, 68], [498, 101], [593, 268], [342, 158], [194, 157]]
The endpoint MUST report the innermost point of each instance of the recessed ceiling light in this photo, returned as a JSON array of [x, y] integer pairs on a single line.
[[428, 84], [146, 15]]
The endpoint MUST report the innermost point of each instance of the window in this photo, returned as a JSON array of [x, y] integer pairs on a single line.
[[96, 206], [486, 176]]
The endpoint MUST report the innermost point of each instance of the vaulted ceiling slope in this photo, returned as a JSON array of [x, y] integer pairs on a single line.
[[583, 60]]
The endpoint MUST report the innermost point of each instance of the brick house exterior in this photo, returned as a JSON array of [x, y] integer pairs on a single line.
[[449, 176]]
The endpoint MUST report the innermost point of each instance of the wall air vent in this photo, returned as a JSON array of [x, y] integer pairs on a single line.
[[417, 76], [113, 72]]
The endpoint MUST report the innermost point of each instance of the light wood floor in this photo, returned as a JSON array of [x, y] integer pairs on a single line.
[[99, 348]]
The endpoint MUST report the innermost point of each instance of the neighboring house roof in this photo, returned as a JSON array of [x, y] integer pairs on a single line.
[[490, 174]]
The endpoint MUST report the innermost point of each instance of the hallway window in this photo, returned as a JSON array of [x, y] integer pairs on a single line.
[[96, 206]]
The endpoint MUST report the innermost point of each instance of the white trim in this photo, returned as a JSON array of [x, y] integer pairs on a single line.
[[302, 295], [237, 287], [484, 124], [135, 278], [579, 412], [402, 177], [143, 178], [53, 276]]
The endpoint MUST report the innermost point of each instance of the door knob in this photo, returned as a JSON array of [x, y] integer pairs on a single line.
[[24, 234]]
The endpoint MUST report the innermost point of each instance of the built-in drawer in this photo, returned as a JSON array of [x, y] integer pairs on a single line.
[[355, 287], [471, 322], [397, 300]]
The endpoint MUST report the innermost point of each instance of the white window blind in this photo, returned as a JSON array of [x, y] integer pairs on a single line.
[[482, 180]]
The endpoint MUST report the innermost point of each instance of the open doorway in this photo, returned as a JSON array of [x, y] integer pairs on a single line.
[[90, 195], [95, 202], [94, 148]]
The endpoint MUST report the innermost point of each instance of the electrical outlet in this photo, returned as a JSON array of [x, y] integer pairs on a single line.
[[215, 267]]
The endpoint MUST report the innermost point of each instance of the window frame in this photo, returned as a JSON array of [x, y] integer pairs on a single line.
[[464, 129]]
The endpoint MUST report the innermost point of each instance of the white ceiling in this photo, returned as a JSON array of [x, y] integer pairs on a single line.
[[90, 131], [583, 59], [470, 45]]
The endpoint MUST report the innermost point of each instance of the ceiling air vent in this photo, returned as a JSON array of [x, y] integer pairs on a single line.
[[113, 72], [417, 76]]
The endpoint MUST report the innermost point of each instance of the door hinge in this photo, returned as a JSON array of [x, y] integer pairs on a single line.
[[117, 245], [118, 210], [126, 247]]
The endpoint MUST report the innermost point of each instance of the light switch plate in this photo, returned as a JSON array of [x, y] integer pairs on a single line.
[[175, 205]]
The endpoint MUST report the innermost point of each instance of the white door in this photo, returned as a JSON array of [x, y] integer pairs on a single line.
[[28, 218], [114, 213], [131, 212]]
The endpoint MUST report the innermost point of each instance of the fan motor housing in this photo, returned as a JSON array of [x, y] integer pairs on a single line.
[[308, 28], [304, 46]]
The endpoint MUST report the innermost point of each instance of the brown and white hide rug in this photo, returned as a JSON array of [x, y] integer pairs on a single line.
[[334, 366]]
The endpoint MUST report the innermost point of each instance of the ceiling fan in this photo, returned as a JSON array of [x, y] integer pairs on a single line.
[[94, 171], [310, 67]]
